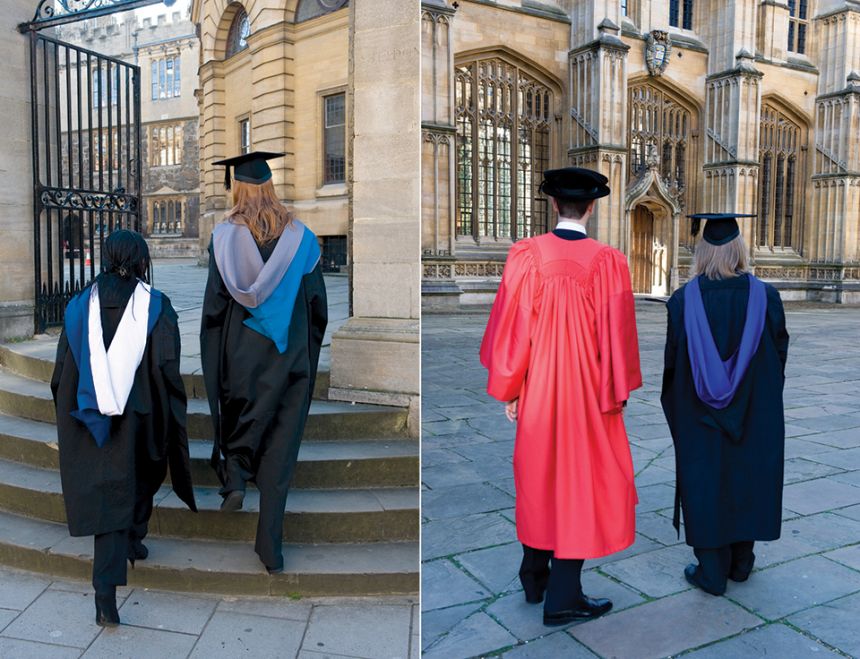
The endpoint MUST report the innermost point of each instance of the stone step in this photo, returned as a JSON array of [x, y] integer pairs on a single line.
[[322, 464], [31, 399], [311, 516], [219, 567], [34, 359]]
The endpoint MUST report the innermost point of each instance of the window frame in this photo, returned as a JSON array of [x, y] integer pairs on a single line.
[[683, 11], [242, 122], [324, 98], [237, 36], [798, 26]]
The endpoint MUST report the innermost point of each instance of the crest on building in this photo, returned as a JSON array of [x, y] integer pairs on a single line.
[[658, 47]]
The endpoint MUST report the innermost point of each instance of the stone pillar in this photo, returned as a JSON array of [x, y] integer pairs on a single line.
[[598, 133], [438, 153], [832, 237], [272, 102], [213, 146], [376, 354], [772, 38], [16, 183], [732, 109]]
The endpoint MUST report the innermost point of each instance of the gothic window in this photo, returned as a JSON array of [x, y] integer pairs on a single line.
[[681, 14], [166, 144], [504, 119], [779, 150], [166, 82], [237, 37], [167, 216], [334, 138], [661, 126], [797, 25]]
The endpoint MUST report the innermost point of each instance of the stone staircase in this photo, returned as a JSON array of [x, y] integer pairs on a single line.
[[351, 524]]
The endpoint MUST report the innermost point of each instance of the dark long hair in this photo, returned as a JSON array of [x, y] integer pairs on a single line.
[[125, 259]]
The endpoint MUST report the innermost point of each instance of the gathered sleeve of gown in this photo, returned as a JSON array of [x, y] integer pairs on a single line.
[[776, 325], [216, 301], [618, 342], [506, 347]]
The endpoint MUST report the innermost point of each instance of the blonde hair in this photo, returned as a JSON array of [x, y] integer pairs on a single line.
[[259, 209], [721, 261]]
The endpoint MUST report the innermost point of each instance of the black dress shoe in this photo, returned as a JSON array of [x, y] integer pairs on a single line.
[[534, 597], [137, 551], [586, 609], [691, 574], [739, 576], [233, 501], [106, 613], [275, 570]]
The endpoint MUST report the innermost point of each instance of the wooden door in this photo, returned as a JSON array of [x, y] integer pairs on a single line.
[[642, 250]]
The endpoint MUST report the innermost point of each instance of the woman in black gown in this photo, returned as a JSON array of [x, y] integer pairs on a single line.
[[726, 349], [121, 409], [264, 317]]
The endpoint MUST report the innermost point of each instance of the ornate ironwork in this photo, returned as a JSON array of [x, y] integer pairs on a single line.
[[50, 13], [117, 201]]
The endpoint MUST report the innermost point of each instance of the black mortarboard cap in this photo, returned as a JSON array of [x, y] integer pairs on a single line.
[[574, 184], [249, 167], [720, 227]]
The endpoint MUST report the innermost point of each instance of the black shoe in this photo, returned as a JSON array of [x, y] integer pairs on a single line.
[[691, 574], [586, 609], [106, 613], [233, 501], [137, 551], [534, 597], [739, 576], [275, 570]]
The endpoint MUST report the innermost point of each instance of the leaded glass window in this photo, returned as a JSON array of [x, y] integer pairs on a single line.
[[504, 128], [334, 139], [166, 145], [681, 14], [798, 24], [779, 150], [237, 37], [658, 124]]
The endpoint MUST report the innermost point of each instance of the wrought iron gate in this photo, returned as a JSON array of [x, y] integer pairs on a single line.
[[86, 164]]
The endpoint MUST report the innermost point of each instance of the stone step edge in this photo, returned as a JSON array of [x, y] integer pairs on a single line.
[[41, 369], [150, 574]]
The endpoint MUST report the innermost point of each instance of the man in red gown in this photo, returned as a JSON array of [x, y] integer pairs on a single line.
[[562, 353]]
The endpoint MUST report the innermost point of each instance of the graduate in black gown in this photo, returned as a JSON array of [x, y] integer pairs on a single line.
[[264, 317], [121, 410], [726, 348]]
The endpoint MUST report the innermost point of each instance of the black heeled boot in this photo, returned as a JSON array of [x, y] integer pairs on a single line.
[[106, 613], [233, 501], [137, 551]]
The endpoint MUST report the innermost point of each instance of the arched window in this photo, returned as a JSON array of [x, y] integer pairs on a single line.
[[237, 37], [779, 149], [504, 119], [660, 125]]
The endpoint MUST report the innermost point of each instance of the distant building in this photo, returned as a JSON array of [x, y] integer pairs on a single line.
[[166, 49]]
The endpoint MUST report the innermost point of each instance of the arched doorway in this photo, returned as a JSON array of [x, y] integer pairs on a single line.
[[641, 252]]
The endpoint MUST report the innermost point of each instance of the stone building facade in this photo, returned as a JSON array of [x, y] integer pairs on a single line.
[[166, 49], [686, 106], [274, 76]]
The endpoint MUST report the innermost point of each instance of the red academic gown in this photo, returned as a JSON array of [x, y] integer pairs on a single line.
[[562, 338]]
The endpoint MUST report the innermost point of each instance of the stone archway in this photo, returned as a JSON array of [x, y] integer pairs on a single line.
[[652, 216]]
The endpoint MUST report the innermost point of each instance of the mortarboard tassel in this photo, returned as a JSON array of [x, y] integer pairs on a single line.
[[694, 226], [227, 177]]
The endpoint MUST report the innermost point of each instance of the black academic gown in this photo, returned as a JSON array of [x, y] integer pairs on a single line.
[[729, 463], [101, 486], [259, 398]]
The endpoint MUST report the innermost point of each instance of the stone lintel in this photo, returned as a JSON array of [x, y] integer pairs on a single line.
[[432, 127], [597, 148], [847, 91], [743, 71], [731, 163], [604, 41], [437, 7]]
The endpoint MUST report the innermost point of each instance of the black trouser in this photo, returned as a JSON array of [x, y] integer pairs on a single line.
[[563, 584], [110, 553], [111, 550], [717, 565]]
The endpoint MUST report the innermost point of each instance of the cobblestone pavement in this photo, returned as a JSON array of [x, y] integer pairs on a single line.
[[44, 619], [803, 598]]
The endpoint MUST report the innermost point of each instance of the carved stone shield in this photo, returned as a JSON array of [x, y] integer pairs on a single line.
[[658, 47]]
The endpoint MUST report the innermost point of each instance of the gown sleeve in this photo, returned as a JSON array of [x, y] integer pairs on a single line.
[[506, 347], [179, 460], [315, 297], [62, 352], [670, 355], [618, 342], [776, 322]]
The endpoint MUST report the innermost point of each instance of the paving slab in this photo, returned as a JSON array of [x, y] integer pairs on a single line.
[[476, 635], [835, 623], [233, 635], [459, 500], [818, 495], [558, 644], [167, 611], [59, 618], [453, 536], [363, 631], [497, 568], [655, 573], [646, 634], [18, 590], [13, 647], [791, 587], [127, 642], [773, 640], [439, 622], [443, 584]]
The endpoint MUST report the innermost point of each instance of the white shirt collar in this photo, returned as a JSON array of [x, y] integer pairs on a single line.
[[571, 225]]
